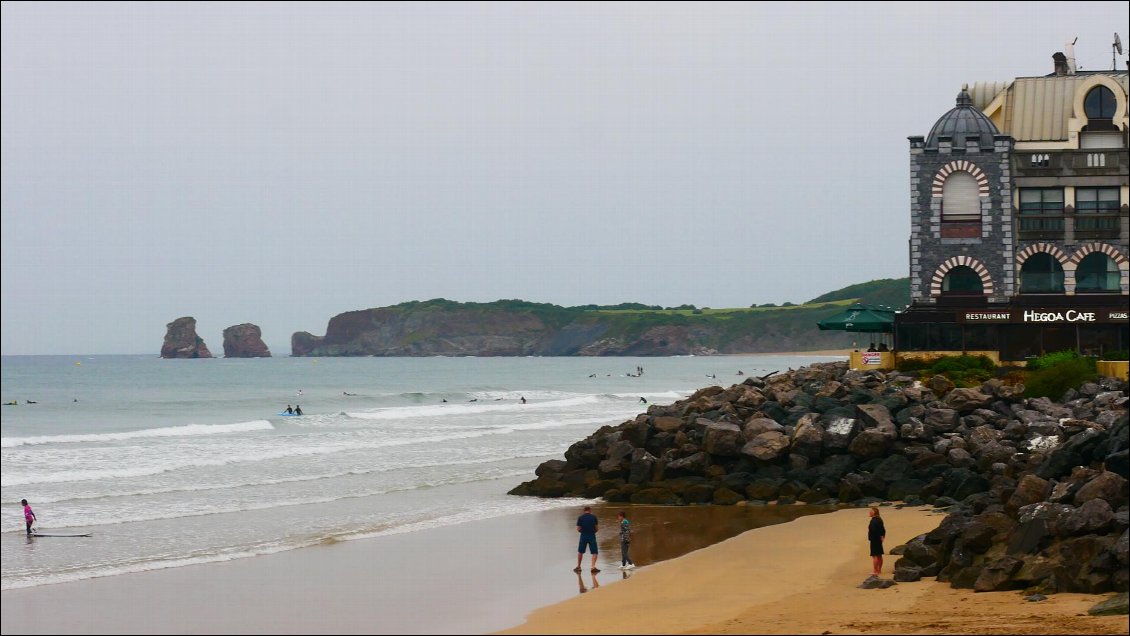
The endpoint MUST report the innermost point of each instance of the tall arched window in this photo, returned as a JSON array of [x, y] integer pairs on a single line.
[[1041, 274], [960, 198], [962, 280], [1099, 106], [1097, 272], [1100, 103]]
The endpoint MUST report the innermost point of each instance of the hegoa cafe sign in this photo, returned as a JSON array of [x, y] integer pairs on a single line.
[[1045, 316]]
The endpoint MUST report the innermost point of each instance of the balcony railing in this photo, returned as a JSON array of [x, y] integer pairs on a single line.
[[1041, 226], [1095, 226], [1095, 161]]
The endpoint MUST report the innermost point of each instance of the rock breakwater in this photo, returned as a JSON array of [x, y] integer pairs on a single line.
[[1036, 489]]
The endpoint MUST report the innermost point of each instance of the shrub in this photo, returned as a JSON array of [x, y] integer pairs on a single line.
[[1116, 355], [913, 364], [1052, 380], [963, 371], [1049, 360]]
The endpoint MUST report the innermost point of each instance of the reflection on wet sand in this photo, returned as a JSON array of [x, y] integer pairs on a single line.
[[666, 532], [581, 582]]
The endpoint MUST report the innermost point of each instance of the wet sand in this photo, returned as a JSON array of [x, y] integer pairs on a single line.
[[475, 577], [802, 578]]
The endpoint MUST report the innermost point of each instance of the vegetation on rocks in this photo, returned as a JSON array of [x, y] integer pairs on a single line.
[[1054, 374]]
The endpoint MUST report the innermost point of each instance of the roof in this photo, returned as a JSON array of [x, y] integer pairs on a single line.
[[962, 122], [1036, 108]]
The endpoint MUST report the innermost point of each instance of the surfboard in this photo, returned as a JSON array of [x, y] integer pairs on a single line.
[[87, 534], [288, 415]]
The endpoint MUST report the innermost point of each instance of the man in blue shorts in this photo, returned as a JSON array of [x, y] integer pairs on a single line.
[[586, 526]]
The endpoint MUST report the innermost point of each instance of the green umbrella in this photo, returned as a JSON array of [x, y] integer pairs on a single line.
[[860, 317]]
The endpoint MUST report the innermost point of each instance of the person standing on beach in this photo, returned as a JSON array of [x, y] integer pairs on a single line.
[[876, 533], [29, 516], [625, 541], [587, 525]]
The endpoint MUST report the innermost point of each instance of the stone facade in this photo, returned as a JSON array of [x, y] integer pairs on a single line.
[[932, 255]]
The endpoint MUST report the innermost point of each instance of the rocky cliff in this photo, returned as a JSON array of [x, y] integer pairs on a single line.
[[1035, 489], [516, 328], [181, 340], [245, 341]]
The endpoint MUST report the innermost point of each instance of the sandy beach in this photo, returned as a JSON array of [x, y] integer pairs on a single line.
[[489, 575], [801, 578]]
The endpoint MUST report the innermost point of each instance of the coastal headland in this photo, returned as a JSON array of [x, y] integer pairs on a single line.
[[521, 328]]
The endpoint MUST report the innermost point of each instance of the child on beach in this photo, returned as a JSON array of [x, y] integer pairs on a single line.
[[625, 541], [29, 516]]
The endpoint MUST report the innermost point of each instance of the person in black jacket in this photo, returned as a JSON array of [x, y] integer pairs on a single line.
[[876, 532]]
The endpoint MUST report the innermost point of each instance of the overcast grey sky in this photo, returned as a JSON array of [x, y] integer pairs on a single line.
[[282, 163]]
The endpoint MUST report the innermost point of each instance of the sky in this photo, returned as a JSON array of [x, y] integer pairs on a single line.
[[280, 164]]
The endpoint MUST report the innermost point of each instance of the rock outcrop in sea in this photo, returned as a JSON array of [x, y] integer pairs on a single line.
[[245, 341], [1036, 489], [181, 340]]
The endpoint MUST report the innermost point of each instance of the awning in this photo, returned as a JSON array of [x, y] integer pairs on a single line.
[[859, 317]]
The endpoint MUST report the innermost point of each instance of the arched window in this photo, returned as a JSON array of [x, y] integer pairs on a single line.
[[1099, 103], [1097, 272], [1041, 274], [961, 201], [962, 280]]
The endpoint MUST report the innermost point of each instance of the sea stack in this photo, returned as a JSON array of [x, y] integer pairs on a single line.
[[245, 341], [181, 340]]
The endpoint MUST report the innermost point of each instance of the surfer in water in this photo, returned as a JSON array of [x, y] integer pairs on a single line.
[[298, 409], [522, 399], [289, 411]]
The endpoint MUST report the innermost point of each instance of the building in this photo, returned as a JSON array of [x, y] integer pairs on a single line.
[[1020, 239]]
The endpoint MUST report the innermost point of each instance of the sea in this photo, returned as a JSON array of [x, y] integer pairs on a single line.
[[170, 463]]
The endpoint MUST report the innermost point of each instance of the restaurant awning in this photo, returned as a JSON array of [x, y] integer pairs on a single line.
[[859, 317]]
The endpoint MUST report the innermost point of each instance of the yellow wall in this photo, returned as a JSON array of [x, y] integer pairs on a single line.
[[886, 361], [1114, 368]]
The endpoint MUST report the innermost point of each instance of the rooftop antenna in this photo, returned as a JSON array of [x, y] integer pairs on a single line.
[[1115, 51]]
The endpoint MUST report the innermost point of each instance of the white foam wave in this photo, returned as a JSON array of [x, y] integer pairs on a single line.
[[114, 518], [662, 395], [387, 468], [441, 410], [294, 451], [170, 431]]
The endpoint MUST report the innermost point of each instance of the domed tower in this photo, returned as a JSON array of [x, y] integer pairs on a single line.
[[964, 122], [961, 245]]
